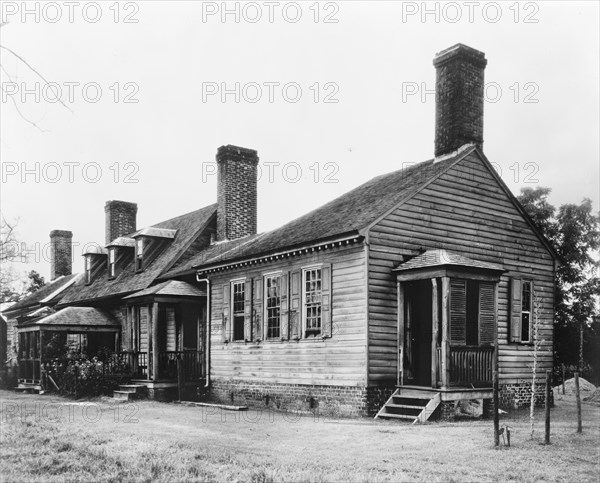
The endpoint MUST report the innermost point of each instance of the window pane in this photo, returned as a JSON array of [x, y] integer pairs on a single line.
[[273, 303], [525, 330], [238, 290], [312, 300]]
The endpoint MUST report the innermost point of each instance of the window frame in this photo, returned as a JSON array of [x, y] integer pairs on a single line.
[[274, 275], [88, 269], [242, 313], [529, 312], [311, 333], [112, 264], [139, 254]]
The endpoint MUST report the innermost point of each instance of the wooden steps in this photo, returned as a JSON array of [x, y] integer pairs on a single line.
[[128, 392], [29, 387], [410, 404]]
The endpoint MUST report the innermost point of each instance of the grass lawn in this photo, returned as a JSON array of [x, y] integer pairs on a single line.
[[48, 438]]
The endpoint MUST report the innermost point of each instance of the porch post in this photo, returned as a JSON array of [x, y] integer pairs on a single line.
[[434, 331], [149, 341], [155, 341], [445, 340], [400, 375]]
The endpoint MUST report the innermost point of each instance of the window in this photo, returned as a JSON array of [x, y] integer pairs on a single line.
[[139, 254], [112, 258], [526, 311], [472, 312], [238, 302], [88, 269], [521, 310], [273, 306], [311, 297]]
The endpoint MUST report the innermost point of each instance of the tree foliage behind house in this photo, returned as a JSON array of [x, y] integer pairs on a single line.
[[574, 230]]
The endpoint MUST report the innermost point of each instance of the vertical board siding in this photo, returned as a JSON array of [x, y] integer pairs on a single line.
[[339, 360], [465, 211]]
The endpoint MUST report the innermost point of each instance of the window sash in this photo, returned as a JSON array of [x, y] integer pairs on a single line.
[[238, 299], [311, 300], [273, 306], [526, 312]]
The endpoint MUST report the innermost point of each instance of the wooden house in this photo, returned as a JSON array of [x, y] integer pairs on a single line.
[[398, 298]]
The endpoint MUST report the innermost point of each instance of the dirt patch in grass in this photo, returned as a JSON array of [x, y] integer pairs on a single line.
[[46, 438]]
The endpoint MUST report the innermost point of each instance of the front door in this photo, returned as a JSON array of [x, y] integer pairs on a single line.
[[417, 333]]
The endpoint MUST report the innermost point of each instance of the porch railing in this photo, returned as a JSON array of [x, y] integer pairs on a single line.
[[471, 365], [191, 363]]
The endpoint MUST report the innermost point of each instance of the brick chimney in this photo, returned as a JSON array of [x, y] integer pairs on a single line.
[[236, 192], [120, 219], [459, 98], [61, 255]]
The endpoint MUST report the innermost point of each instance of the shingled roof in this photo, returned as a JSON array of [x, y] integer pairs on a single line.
[[75, 316], [189, 228], [348, 214], [171, 288], [439, 258], [49, 293]]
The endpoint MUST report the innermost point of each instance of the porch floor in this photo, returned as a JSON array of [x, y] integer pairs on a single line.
[[454, 393]]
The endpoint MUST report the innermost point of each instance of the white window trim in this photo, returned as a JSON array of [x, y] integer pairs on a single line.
[[265, 324], [231, 311], [529, 311], [318, 266]]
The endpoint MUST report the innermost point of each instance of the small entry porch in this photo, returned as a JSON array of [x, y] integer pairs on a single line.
[[447, 333], [164, 336]]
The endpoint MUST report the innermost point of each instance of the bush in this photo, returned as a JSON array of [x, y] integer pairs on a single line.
[[83, 377]]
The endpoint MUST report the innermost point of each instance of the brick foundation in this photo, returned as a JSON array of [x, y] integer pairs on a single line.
[[329, 401], [514, 396]]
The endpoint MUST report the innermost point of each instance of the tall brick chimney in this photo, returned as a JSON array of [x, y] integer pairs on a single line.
[[61, 253], [236, 192], [459, 98], [120, 219]]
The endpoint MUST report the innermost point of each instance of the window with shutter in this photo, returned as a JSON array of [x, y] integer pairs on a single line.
[[526, 310], [238, 307], [247, 336], [273, 306], [312, 282], [257, 307], [487, 313], [458, 311]]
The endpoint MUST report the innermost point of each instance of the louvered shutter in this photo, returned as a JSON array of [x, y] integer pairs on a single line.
[[516, 307], [225, 318], [295, 304], [487, 312], [284, 311], [458, 312], [143, 326], [170, 322], [248, 310], [326, 328], [258, 309]]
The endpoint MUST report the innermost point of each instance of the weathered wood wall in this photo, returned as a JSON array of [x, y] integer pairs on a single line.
[[466, 211], [339, 360]]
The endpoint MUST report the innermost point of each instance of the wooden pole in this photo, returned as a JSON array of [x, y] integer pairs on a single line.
[[563, 378], [155, 341], [400, 371], [547, 405], [434, 331], [578, 399], [445, 338], [496, 415]]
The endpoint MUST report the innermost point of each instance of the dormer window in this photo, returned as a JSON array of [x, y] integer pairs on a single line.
[[112, 262], [139, 255], [88, 269]]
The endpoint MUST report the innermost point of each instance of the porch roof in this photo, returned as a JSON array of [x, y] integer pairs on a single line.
[[433, 260], [170, 288], [438, 258], [84, 318]]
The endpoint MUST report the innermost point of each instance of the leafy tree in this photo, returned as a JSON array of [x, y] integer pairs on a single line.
[[574, 230]]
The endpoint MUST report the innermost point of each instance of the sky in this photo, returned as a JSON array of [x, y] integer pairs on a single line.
[[330, 94]]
